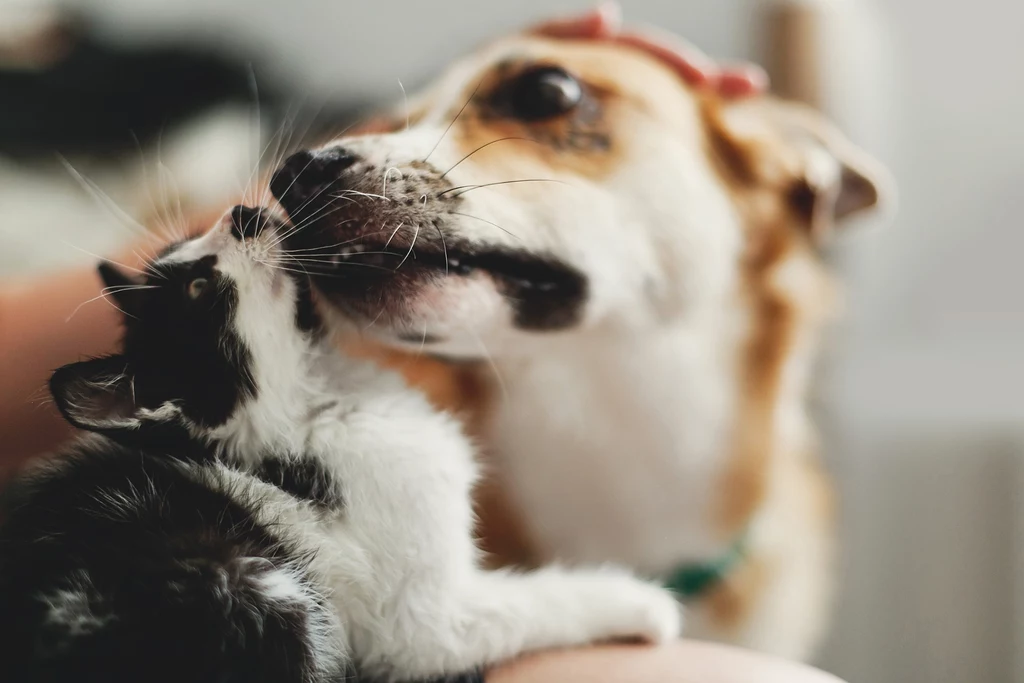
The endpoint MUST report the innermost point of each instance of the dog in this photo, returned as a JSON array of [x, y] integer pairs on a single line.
[[618, 278], [623, 279]]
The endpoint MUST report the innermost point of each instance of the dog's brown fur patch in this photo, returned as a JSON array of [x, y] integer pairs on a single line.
[[745, 480], [768, 241], [619, 81], [729, 603], [777, 210]]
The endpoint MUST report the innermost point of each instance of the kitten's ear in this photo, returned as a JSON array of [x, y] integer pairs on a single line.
[[122, 287], [96, 395]]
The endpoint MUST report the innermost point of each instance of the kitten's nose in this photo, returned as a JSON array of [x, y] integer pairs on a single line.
[[306, 174]]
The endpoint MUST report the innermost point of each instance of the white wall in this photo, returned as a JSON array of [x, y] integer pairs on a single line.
[[938, 316], [362, 47]]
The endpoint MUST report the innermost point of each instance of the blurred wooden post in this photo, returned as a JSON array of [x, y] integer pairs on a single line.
[[792, 50]]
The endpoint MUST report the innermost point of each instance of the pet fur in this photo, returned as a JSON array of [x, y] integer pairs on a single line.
[[255, 506]]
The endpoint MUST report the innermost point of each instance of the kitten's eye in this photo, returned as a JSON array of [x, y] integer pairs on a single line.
[[544, 92], [196, 288]]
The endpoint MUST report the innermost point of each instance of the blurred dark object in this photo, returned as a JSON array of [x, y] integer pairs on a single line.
[[65, 90]]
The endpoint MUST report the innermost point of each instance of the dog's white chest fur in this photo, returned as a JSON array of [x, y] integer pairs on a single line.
[[612, 449]]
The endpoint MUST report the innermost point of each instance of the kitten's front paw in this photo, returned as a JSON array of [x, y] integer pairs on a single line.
[[659, 617], [643, 611]]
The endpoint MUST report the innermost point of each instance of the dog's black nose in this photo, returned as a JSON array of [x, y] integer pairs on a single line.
[[245, 221], [306, 174]]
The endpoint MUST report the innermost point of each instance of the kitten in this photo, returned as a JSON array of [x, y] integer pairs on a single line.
[[255, 506]]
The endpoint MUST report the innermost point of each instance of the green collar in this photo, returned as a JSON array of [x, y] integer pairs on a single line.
[[691, 580]]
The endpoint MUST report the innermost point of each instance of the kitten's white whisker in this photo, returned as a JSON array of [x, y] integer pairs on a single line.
[[104, 258]]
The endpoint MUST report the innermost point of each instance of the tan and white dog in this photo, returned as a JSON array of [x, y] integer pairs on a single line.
[[616, 278]]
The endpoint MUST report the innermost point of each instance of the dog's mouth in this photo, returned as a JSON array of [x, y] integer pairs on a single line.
[[382, 260], [368, 275]]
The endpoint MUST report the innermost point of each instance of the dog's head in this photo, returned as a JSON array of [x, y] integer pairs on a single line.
[[546, 185]]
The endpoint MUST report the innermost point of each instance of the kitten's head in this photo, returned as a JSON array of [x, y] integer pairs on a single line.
[[212, 324]]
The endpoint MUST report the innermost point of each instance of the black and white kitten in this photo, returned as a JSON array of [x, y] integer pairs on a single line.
[[255, 506]]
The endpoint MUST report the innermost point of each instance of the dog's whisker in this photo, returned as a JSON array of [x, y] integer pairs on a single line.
[[388, 243], [490, 361], [423, 342], [469, 188], [376, 317], [335, 273], [444, 247], [367, 194], [333, 259], [328, 246], [412, 246], [467, 215], [405, 99], [445, 133], [485, 146], [384, 191]]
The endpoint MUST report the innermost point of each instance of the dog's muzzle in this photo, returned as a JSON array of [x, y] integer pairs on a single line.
[[373, 237]]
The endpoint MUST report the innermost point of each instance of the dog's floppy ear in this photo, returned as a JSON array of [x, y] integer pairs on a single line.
[[96, 395], [825, 177], [123, 288]]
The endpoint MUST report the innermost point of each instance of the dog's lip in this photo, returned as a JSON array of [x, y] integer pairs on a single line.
[[544, 292], [379, 260], [381, 255]]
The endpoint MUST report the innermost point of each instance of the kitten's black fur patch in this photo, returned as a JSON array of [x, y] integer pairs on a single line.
[[177, 350], [304, 477], [184, 349], [119, 566]]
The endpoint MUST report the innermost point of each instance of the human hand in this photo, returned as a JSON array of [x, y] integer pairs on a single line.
[[685, 661]]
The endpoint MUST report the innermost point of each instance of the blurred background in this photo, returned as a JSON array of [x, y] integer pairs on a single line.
[[145, 104]]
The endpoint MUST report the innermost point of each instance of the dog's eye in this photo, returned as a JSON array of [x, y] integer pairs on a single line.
[[543, 92], [196, 287]]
